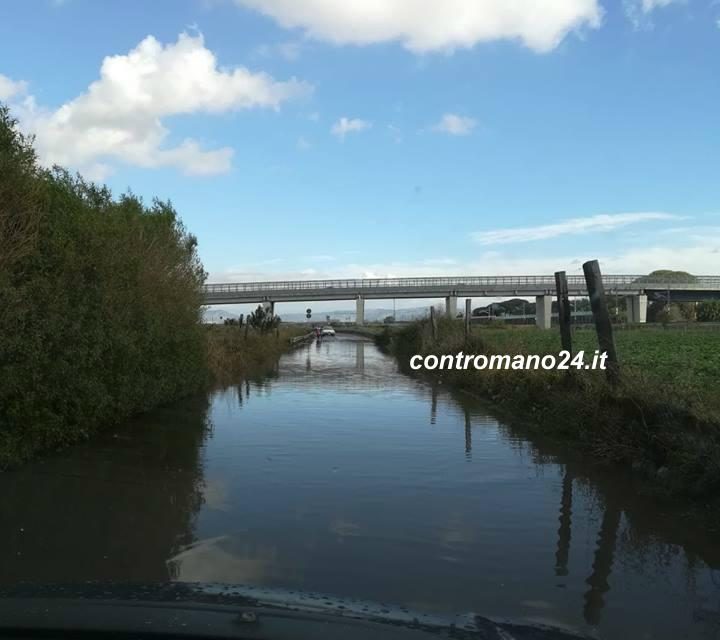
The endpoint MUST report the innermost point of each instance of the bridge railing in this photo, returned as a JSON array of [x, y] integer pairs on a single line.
[[510, 282]]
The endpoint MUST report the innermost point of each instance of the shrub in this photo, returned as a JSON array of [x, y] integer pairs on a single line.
[[100, 304]]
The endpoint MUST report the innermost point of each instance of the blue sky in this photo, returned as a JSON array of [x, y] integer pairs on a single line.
[[318, 138]]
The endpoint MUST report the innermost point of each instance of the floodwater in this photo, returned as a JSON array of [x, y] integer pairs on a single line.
[[342, 475]]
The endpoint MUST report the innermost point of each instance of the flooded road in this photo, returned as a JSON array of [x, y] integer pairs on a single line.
[[340, 474]]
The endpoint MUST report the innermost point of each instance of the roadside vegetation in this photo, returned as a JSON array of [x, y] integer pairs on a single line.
[[236, 351], [663, 417], [100, 308], [99, 304]]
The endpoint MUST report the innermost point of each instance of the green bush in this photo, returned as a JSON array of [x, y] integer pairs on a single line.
[[100, 304]]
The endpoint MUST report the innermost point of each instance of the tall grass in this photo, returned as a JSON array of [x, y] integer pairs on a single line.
[[233, 353]]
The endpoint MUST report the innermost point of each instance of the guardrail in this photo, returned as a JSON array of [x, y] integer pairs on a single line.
[[511, 282], [304, 338]]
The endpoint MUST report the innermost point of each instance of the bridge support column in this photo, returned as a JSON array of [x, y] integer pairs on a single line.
[[451, 306], [269, 306], [543, 311], [636, 309], [360, 311]]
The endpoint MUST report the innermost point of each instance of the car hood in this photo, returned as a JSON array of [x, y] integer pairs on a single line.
[[238, 611]]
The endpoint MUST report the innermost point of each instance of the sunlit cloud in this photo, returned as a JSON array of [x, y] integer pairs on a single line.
[[572, 226]]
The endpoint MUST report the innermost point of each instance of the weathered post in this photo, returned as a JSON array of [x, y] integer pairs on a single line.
[[601, 315], [433, 323], [468, 311], [563, 310], [240, 319]]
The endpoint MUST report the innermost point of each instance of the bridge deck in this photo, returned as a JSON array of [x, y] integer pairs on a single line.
[[476, 286]]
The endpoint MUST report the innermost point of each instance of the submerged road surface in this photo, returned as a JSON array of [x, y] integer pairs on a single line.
[[340, 474]]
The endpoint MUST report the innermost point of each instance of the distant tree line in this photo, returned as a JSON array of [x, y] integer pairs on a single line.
[[100, 302], [519, 306]]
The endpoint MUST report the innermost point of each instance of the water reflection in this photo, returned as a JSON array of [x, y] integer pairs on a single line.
[[565, 531], [433, 402], [338, 473], [602, 565], [468, 434], [221, 559], [111, 509], [360, 355]]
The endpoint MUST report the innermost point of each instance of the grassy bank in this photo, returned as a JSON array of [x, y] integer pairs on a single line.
[[663, 417], [233, 354], [367, 331]]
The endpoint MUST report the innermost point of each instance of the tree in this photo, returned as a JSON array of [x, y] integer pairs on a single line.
[[22, 196], [100, 304], [263, 320], [708, 312], [666, 276], [664, 313]]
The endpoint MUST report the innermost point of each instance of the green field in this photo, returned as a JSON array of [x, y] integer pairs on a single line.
[[684, 358]]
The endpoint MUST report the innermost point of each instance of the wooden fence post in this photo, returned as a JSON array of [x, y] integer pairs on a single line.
[[603, 326], [433, 323], [563, 301]]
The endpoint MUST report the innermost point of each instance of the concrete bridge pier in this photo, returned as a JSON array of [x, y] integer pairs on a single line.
[[451, 306], [543, 311], [637, 309], [269, 306], [360, 311]]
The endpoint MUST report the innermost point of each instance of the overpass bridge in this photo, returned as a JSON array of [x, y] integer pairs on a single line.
[[637, 288]]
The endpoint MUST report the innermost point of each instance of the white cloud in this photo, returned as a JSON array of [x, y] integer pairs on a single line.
[[572, 226], [11, 88], [303, 144], [348, 125], [434, 25], [699, 257], [638, 11], [119, 117], [289, 50], [395, 133], [455, 125], [649, 5]]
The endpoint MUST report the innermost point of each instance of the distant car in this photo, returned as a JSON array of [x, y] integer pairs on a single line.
[[328, 331]]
